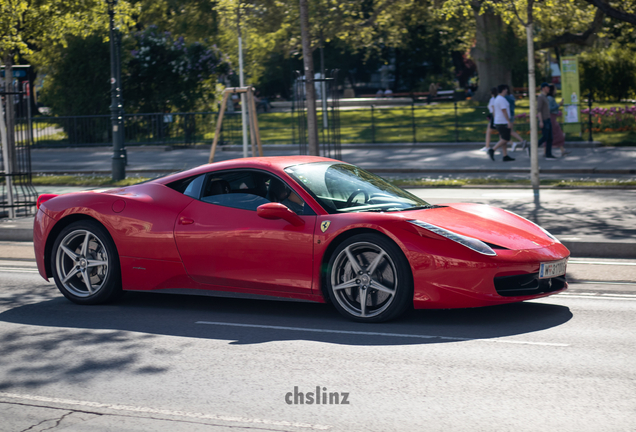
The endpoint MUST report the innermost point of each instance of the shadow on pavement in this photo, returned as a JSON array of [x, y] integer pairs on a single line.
[[57, 341], [592, 217], [177, 315]]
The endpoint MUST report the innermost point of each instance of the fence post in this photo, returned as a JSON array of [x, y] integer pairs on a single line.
[[372, 124], [456, 126], [589, 114], [413, 120], [75, 139]]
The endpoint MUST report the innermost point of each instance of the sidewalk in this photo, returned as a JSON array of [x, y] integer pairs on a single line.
[[436, 159]]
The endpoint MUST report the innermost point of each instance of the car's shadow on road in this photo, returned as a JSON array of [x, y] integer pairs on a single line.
[[181, 315]]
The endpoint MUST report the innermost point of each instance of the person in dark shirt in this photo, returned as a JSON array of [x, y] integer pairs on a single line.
[[543, 114]]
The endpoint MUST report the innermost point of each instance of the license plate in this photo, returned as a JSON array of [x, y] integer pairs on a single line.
[[552, 269]]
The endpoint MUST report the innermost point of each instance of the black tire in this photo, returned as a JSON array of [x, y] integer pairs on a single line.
[[85, 264], [387, 288]]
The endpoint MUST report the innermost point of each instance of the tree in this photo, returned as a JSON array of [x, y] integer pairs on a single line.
[[165, 73], [26, 26], [555, 24], [624, 10], [77, 77], [609, 73]]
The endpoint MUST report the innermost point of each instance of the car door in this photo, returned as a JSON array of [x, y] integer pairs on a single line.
[[224, 243]]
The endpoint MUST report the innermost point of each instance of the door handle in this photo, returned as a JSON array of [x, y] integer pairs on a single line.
[[186, 221]]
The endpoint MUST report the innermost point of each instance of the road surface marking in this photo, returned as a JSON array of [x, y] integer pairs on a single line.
[[596, 294], [575, 261], [574, 281], [596, 297], [18, 270], [148, 410], [361, 333]]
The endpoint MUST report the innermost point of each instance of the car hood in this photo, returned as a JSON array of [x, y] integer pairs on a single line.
[[485, 223]]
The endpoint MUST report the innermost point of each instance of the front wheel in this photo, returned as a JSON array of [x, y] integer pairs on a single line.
[[85, 264], [369, 279]]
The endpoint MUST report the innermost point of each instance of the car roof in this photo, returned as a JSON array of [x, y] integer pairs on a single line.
[[269, 163]]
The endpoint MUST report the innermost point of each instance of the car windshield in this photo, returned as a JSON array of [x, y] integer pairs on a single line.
[[342, 188]]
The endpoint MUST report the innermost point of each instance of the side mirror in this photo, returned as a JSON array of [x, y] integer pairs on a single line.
[[279, 211]]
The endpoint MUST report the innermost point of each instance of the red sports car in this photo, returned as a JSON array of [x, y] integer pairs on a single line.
[[304, 228]]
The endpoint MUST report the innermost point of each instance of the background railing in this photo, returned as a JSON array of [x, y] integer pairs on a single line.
[[415, 123]]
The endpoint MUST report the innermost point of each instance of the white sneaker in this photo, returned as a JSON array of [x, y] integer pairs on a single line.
[[485, 149], [514, 146]]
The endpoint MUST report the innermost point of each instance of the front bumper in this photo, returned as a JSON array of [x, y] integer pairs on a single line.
[[473, 280]]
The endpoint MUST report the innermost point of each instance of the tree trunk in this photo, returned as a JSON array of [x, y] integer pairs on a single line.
[[490, 54], [310, 90], [534, 133]]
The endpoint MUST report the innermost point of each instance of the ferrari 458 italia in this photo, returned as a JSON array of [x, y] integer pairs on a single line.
[[303, 228]]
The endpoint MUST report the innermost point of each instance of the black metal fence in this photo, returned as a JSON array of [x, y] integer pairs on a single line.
[[413, 123], [17, 194]]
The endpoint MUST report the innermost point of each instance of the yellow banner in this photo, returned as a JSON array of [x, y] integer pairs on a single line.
[[571, 93]]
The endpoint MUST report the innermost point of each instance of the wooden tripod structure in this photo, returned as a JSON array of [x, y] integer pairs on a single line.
[[255, 136]]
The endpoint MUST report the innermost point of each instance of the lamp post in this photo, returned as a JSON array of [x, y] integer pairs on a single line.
[[116, 106]]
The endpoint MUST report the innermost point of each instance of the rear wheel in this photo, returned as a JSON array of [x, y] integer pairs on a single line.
[[369, 279], [85, 264]]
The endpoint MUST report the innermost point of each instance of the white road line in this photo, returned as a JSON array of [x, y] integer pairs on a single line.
[[361, 333], [575, 261], [574, 281], [18, 270], [596, 297], [597, 294], [148, 410]]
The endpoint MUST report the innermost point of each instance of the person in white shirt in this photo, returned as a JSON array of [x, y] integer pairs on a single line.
[[503, 123], [490, 117]]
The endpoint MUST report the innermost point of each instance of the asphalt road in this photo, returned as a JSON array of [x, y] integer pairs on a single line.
[[161, 362]]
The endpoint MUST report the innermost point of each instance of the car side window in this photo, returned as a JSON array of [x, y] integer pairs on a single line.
[[190, 186], [248, 189], [193, 190]]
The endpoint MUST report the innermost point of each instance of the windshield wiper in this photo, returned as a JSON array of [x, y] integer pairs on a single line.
[[418, 207], [371, 210]]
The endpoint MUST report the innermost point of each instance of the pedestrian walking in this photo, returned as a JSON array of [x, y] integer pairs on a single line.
[[511, 100], [502, 123], [491, 117], [558, 136], [432, 92], [545, 123]]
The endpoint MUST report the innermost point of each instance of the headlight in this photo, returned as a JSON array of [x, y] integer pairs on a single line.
[[541, 228], [471, 243]]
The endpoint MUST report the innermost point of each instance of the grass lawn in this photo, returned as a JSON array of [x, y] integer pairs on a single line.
[[440, 122]]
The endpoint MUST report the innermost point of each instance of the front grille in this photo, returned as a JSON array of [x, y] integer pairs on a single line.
[[527, 284]]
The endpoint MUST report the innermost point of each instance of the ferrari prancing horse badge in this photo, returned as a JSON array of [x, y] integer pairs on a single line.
[[325, 225]]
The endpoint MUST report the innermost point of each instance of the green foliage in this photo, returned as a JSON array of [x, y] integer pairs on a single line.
[[609, 73], [195, 20], [27, 27], [166, 73], [358, 37], [77, 82]]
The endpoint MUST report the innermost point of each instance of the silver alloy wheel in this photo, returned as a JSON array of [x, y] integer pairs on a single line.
[[364, 279], [82, 263]]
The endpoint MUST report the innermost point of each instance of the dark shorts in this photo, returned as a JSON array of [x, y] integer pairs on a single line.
[[504, 131], [492, 121]]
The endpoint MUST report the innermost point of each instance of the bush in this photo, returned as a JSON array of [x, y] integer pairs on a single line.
[[610, 74]]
